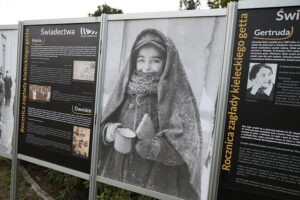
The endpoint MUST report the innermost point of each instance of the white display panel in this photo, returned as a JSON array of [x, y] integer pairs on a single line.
[[199, 42], [8, 65]]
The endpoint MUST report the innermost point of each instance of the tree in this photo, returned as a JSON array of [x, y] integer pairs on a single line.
[[105, 9], [218, 3], [189, 4]]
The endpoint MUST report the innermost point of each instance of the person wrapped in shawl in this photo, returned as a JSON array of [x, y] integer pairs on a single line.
[[154, 82]]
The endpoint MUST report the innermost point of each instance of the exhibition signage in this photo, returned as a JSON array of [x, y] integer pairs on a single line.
[[154, 108], [157, 127], [261, 149], [58, 85]]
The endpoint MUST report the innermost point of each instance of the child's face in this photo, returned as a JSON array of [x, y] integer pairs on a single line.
[[149, 59], [264, 77]]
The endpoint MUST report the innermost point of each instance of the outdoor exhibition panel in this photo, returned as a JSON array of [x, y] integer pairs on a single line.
[[8, 66], [161, 74], [57, 91], [261, 147]]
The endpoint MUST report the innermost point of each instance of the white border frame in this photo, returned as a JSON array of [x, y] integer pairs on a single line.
[[54, 166], [63, 21], [9, 27], [5, 155], [172, 14], [136, 189]]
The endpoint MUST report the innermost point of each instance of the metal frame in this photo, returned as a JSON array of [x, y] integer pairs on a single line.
[[253, 4], [222, 101], [173, 14], [133, 188], [63, 21], [5, 155], [98, 107], [15, 161], [9, 27], [54, 166]]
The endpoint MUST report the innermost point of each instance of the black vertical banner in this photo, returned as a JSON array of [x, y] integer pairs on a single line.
[[58, 85], [261, 149]]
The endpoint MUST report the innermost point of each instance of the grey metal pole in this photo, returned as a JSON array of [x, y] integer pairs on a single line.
[[222, 99], [14, 158], [98, 108]]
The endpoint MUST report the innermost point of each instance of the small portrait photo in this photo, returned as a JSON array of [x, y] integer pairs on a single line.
[[81, 141], [84, 70], [40, 92], [261, 81]]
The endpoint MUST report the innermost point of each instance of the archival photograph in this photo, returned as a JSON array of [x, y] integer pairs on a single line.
[[81, 141], [84, 70], [158, 114], [8, 65], [261, 81], [39, 92]]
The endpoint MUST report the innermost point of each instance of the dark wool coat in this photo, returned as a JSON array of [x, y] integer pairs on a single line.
[[260, 96], [8, 85], [177, 168], [2, 91]]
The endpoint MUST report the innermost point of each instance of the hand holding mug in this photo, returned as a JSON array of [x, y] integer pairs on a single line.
[[124, 140], [111, 131]]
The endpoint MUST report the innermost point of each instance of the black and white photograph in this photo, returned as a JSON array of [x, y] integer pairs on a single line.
[[84, 70], [8, 65], [261, 81], [39, 92], [160, 88], [81, 141]]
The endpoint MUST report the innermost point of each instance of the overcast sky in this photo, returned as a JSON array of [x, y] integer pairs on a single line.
[[12, 11]]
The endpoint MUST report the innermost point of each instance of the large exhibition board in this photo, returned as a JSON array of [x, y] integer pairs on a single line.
[[261, 149], [156, 132], [58, 86], [8, 69]]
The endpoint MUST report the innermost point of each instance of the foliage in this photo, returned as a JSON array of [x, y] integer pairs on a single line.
[[219, 3], [105, 9], [71, 187], [4, 177], [189, 4], [107, 192], [25, 190]]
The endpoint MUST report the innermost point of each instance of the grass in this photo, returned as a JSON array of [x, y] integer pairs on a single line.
[[59, 185], [25, 192]]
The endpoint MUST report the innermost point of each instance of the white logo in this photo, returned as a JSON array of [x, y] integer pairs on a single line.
[[85, 32]]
